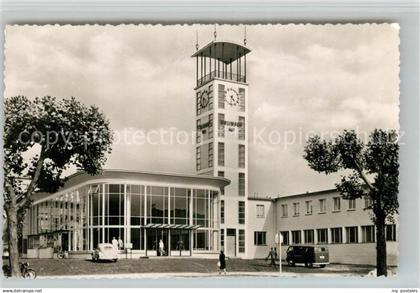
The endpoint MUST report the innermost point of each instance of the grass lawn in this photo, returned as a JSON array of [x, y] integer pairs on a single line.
[[62, 267]]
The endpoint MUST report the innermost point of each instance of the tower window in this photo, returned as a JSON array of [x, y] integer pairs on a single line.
[[242, 99], [198, 158], [210, 159], [241, 241], [198, 132], [241, 212], [222, 211], [241, 156], [221, 154], [221, 94], [241, 134], [221, 125], [210, 129], [241, 184]]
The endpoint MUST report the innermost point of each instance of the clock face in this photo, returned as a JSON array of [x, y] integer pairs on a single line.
[[232, 97], [204, 99]]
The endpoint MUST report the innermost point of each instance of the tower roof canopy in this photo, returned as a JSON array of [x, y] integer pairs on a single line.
[[225, 51]]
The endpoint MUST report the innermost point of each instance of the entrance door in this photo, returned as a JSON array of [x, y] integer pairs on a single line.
[[230, 242], [153, 239]]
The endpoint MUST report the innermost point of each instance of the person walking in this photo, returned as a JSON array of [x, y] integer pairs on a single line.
[[115, 243], [222, 263], [161, 248], [120, 243], [273, 256]]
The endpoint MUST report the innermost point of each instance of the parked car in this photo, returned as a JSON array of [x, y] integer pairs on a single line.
[[308, 255], [105, 251]]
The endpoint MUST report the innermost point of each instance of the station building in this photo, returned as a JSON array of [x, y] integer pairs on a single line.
[[318, 218], [201, 214]]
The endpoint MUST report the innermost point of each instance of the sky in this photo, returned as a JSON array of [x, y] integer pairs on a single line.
[[303, 79]]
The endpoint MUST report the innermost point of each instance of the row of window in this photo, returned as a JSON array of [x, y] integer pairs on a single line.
[[336, 234], [322, 206], [241, 212], [220, 155]]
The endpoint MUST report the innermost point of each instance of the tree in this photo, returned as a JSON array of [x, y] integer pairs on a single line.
[[59, 134], [372, 171]]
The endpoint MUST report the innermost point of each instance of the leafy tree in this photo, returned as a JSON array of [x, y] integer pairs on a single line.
[[59, 134], [372, 172]]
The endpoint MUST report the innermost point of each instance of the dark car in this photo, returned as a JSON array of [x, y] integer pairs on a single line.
[[308, 255]]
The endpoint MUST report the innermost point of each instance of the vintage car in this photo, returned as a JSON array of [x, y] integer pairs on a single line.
[[308, 255], [105, 251]]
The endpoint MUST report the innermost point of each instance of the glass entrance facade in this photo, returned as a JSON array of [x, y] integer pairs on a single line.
[[184, 217]]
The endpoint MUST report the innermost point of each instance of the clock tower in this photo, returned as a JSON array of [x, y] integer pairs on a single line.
[[221, 99]]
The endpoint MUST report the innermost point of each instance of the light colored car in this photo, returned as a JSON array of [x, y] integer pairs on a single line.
[[105, 251]]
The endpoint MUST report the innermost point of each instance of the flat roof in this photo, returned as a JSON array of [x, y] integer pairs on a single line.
[[225, 51], [81, 177], [307, 193]]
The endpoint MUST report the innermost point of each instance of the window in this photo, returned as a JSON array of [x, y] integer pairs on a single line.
[[198, 158], [309, 207], [222, 239], [284, 210], [241, 240], [221, 100], [241, 156], [368, 233], [351, 234], [210, 127], [285, 235], [241, 184], [352, 204], [296, 237], [241, 212], [222, 211], [221, 125], [198, 132], [260, 211], [322, 236], [337, 204], [242, 99], [368, 202], [198, 103], [221, 154], [296, 209], [391, 232], [337, 235], [260, 238], [322, 205], [210, 158], [241, 133], [309, 236]]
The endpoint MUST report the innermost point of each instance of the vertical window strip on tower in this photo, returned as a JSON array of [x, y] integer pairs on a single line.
[[241, 133], [198, 131], [221, 126], [241, 156], [242, 99], [221, 154], [210, 158], [222, 211], [241, 212], [198, 158], [210, 128], [221, 96], [241, 184], [241, 240]]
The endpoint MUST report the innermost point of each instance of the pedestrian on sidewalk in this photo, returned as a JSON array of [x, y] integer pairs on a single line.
[[161, 248], [222, 263], [273, 256], [115, 243]]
